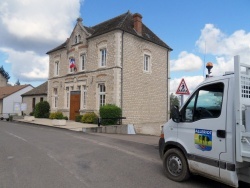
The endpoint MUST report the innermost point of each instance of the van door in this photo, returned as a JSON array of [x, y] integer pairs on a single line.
[[203, 126]]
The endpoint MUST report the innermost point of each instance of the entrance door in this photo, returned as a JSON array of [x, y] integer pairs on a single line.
[[74, 104]]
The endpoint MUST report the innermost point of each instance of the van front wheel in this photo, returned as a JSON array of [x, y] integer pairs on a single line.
[[175, 165]]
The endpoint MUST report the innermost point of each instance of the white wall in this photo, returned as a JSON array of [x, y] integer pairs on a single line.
[[8, 102]]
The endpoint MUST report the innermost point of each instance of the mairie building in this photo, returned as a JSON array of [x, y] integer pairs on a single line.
[[119, 61]]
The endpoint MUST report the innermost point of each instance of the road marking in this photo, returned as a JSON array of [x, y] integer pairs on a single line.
[[118, 149], [11, 134], [71, 172]]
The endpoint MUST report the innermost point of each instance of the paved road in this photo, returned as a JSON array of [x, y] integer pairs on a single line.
[[37, 157]]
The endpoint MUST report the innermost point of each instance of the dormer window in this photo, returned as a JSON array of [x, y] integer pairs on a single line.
[[77, 39]]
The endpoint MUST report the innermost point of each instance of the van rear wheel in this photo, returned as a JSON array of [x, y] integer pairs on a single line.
[[175, 165]]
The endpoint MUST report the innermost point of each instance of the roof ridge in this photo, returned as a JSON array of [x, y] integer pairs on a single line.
[[122, 22], [109, 20]]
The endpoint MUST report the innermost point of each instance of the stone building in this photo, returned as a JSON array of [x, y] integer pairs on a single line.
[[34, 96], [119, 61]]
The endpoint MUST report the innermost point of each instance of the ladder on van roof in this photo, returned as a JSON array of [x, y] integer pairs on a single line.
[[242, 110]]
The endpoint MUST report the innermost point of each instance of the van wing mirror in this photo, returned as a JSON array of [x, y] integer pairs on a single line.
[[175, 114]]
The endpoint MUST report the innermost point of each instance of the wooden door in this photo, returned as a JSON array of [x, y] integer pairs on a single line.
[[75, 97]]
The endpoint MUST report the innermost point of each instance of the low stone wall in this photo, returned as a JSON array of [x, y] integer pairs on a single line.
[[29, 118], [59, 122], [147, 129], [112, 129]]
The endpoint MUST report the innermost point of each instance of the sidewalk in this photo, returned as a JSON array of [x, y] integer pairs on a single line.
[[71, 125], [76, 126]]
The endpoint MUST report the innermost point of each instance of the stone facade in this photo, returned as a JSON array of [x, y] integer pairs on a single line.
[[36, 95], [30, 104], [139, 89]]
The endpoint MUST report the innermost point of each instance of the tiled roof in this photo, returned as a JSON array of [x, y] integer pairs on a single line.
[[122, 22], [125, 22], [39, 90], [63, 45], [8, 90]]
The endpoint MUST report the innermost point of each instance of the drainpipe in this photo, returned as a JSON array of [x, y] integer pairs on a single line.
[[168, 78], [122, 76]]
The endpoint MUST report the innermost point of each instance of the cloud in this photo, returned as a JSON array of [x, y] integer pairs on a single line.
[[224, 47], [186, 62], [38, 20], [28, 65], [31, 28], [192, 82]]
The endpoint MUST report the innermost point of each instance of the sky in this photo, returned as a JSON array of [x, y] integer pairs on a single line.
[[198, 31]]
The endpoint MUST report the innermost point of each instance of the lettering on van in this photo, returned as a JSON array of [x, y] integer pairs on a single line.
[[203, 139]]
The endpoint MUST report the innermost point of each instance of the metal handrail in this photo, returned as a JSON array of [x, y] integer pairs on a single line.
[[118, 118]]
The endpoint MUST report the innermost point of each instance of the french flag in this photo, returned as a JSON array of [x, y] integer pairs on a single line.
[[72, 63]]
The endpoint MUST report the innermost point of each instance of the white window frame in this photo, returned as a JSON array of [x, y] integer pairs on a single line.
[[146, 63], [101, 94], [84, 97], [76, 39], [67, 96], [55, 94], [103, 57], [83, 61], [56, 68]]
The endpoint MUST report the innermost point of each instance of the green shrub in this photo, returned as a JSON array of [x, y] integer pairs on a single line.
[[57, 115], [65, 117], [110, 111], [42, 110], [52, 115], [89, 117], [78, 118]]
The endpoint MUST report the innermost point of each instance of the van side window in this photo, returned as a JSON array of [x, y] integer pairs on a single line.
[[205, 103]]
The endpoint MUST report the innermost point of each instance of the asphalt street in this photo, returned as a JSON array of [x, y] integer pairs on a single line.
[[37, 157]]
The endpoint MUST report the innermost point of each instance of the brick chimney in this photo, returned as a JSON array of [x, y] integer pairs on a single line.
[[138, 23]]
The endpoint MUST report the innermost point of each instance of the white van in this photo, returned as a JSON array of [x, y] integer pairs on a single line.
[[210, 134]]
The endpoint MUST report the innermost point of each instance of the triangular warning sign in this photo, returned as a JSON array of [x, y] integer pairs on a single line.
[[182, 89]]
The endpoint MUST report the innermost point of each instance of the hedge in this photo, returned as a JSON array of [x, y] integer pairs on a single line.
[[110, 111], [42, 110]]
